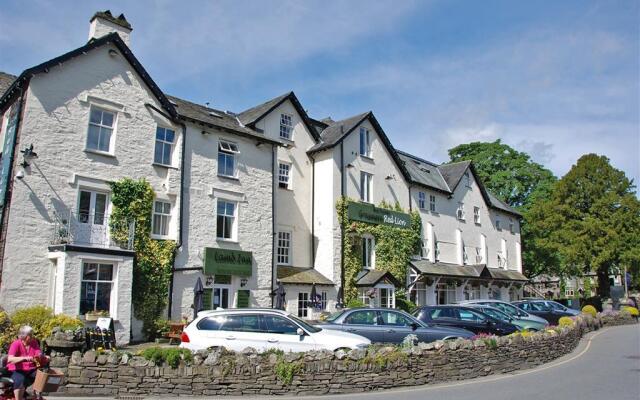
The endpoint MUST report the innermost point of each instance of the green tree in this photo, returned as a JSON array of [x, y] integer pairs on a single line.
[[513, 177], [591, 221], [509, 174]]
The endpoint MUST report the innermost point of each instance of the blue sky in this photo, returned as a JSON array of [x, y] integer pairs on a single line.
[[557, 79]]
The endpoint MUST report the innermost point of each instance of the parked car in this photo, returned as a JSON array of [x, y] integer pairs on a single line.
[[556, 306], [504, 317], [464, 317], [520, 317], [544, 310], [384, 325], [263, 329]]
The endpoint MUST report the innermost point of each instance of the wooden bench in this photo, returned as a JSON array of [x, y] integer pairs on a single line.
[[175, 331]]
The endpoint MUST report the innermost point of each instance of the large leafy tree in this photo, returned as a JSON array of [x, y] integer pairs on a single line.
[[507, 173], [513, 177], [591, 221]]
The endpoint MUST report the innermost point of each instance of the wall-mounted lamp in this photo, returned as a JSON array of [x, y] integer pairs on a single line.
[[209, 280], [27, 154], [243, 282], [350, 165]]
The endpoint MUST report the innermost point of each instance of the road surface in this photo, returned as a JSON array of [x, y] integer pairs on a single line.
[[606, 365]]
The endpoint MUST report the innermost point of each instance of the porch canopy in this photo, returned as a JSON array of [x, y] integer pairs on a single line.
[[370, 278], [302, 276], [476, 271]]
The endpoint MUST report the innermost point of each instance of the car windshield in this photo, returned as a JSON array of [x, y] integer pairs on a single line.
[[334, 316], [492, 312], [304, 325], [556, 306], [506, 308]]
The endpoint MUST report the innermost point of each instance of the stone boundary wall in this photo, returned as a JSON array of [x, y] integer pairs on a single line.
[[218, 372]]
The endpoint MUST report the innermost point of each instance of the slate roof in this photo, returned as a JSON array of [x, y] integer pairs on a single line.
[[337, 130], [254, 114], [301, 276], [371, 277], [424, 172], [452, 173], [113, 38], [211, 117], [5, 81], [506, 275]]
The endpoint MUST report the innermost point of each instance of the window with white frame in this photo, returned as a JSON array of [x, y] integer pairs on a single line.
[[227, 154], [303, 304], [367, 252], [284, 248], [96, 287], [366, 185], [226, 220], [467, 179], [161, 218], [286, 126], [323, 300], [422, 200], [284, 175], [424, 250], [432, 203], [476, 215], [460, 212], [165, 139], [498, 227], [101, 125], [512, 228], [365, 142]]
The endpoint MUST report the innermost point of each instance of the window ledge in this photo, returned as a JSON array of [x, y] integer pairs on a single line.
[[365, 157], [160, 237], [164, 166], [231, 178], [227, 240], [100, 153], [287, 188]]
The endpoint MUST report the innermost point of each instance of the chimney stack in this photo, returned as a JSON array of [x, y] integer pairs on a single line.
[[103, 23]]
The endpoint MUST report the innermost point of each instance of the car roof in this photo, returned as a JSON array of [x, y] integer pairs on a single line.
[[241, 311]]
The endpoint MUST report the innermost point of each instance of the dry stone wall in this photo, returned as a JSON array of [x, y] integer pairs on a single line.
[[223, 373]]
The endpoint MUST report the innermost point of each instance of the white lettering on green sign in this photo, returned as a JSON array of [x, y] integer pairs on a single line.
[[374, 215]]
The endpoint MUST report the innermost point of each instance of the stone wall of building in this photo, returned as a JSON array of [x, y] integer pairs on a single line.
[[222, 373]]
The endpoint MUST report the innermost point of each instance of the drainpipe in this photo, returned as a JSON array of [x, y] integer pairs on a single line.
[[342, 193], [274, 149], [180, 217], [313, 204]]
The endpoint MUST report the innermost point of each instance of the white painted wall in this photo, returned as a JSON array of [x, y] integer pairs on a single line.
[[56, 122], [251, 189], [293, 206]]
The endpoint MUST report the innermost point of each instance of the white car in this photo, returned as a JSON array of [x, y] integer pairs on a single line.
[[263, 329]]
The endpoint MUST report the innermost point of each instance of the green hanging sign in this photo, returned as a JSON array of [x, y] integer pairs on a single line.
[[227, 262], [379, 216]]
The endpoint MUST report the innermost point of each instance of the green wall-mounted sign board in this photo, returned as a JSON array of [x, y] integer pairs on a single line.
[[227, 262], [380, 216]]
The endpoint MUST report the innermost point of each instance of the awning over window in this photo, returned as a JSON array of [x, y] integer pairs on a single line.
[[301, 276], [370, 278], [478, 271]]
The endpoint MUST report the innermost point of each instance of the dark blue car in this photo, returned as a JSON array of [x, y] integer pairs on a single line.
[[384, 325]]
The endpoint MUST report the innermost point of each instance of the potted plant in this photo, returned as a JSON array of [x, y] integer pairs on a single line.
[[94, 315]]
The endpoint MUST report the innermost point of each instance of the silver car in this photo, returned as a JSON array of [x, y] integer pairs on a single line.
[[520, 317]]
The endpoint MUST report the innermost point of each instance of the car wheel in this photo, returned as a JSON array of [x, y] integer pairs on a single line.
[[345, 349]]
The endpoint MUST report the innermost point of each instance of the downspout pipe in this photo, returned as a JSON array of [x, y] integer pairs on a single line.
[[342, 193], [313, 209], [274, 149], [180, 216]]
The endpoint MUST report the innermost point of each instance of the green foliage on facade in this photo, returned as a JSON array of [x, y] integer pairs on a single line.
[[393, 246], [133, 202]]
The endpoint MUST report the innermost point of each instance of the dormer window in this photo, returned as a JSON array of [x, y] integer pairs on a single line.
[[365, 142], [467, 179], [286, 126]]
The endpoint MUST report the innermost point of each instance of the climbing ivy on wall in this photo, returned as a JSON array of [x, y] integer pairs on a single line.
[[393, 246], [133, 201]]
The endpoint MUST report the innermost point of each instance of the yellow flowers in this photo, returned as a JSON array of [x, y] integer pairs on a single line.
[[589, 309]]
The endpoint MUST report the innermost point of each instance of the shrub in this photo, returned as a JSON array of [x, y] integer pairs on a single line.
[[589, 309], [631, 310], [161, 328], [355, 303], [405, 305], [171, 355], [40, 318], [565, 321]]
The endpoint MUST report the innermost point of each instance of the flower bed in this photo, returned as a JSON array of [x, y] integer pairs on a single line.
[[219, 372]]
